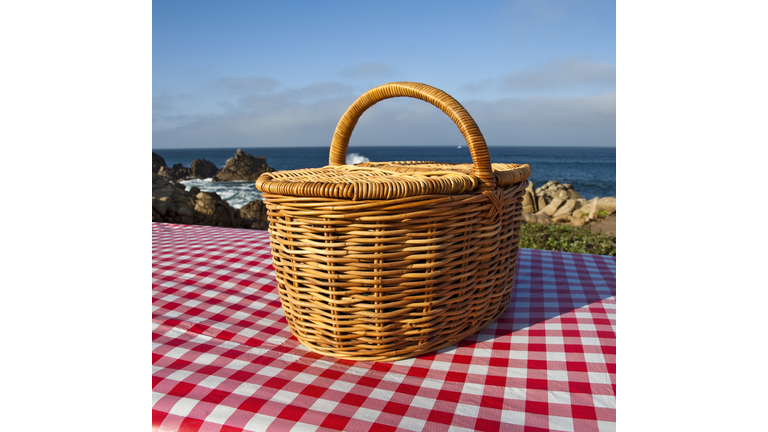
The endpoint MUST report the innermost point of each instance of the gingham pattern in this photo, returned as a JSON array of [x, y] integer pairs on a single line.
[[224, 359]]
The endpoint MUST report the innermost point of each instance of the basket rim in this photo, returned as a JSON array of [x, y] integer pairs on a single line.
[[386, 180]]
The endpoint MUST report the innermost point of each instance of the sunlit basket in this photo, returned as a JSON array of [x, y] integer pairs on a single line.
[[384, 261]]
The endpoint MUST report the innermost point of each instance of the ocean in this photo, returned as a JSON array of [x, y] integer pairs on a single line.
[[591, 170]]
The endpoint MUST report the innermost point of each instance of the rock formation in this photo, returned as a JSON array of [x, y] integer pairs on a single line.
[[243, 167], [157, 163], [202, 169], [530, 205], [199, 168], [553, 189], [560, 203], [172, 203], [254, 215], [537, 218], [177, 172]]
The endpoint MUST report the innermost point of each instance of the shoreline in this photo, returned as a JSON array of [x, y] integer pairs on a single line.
[[556, 212]]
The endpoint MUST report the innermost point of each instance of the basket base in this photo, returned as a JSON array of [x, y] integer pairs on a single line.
[[404, 353]]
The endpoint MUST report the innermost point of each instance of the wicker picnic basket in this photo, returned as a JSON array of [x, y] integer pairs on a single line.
[[387, 260]]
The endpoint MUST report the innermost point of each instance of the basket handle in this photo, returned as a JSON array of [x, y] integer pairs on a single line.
[[477, 147]]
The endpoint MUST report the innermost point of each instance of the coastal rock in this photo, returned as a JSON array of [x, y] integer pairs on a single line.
[[216, 211], [560, 203], [592, 208], [175, 173], [552, 207], [199, 168], [243, 167], [577, 221], [553, 189], [205, 203], [203, 169], [540, 203], [607, 203], [572, 194], [172, 203], [536, 218], [587, 208], [157, 163], [567, 208], [254, 215], [530, 203]]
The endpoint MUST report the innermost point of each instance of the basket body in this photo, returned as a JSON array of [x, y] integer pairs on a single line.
[[376, 281], [387, 279]]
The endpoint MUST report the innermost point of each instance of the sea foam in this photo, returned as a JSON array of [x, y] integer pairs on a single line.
[[236, 193], [354, 158]]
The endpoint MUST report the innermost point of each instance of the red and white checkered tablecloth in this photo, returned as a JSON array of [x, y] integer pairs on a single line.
[[223, 358]]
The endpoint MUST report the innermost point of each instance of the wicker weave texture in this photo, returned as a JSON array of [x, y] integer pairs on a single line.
[[387, 260], [385, 180], [506, 174], [386, 280], [363, 183]]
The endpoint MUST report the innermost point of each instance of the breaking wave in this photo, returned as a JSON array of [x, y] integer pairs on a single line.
[[236, 193], [354, 158]]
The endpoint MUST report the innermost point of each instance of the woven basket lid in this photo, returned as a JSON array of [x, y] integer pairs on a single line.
[[505, 174], [384, 180], [391, 180]]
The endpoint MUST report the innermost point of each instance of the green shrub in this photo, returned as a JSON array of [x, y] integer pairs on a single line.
[[565, 238], [602, 213]]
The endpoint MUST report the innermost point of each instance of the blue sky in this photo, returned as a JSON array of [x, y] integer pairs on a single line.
[[265, 74]]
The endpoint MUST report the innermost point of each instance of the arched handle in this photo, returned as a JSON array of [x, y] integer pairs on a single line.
[[477, 147]]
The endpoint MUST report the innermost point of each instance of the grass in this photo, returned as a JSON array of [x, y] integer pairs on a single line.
[[565, 238], [600, 213]]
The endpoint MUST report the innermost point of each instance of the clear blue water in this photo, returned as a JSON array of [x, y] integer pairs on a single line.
[[591, 170]]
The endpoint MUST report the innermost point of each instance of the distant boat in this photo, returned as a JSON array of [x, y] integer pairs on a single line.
[[458, 147]]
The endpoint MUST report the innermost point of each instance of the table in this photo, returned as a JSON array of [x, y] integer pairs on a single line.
[[224, 359]]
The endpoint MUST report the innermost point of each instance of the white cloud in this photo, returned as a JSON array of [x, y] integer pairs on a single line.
[[291, 99], [576, 73], [168, 102], [308, 117], [241, 85], [561, 121]]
